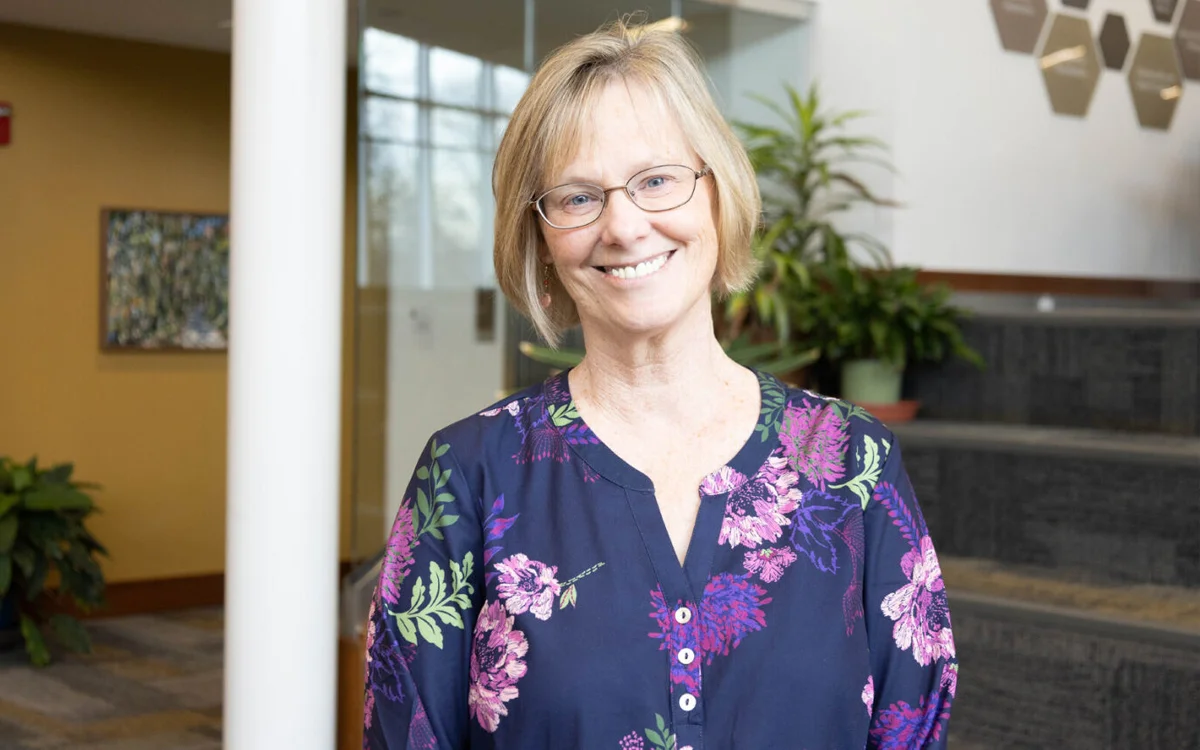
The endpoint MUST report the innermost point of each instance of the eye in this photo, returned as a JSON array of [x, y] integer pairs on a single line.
[[657, 183]]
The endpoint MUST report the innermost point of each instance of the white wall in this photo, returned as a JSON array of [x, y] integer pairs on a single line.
[[438, 373], [992, 180]]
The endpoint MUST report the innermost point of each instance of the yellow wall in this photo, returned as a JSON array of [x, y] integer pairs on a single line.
[[100, 122]]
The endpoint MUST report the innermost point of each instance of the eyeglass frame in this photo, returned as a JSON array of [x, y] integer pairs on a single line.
[[703, 172]]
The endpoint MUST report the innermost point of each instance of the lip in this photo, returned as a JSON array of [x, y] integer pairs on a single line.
[[604, 269]]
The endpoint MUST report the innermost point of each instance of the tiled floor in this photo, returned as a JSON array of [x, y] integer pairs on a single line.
[[152, 683]]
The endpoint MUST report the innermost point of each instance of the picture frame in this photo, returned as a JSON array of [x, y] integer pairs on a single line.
[[164, 281]]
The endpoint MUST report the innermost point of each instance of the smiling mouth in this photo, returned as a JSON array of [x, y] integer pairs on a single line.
[[637, 270]]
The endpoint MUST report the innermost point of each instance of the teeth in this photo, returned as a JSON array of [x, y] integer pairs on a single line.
[[640, 270]]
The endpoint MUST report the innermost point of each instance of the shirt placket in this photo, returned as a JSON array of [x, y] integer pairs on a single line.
[[687, 706]]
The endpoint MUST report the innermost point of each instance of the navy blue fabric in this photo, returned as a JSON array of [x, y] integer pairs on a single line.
[[530, 596]]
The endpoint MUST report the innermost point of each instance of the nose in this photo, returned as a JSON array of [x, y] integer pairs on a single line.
[[622, 223]]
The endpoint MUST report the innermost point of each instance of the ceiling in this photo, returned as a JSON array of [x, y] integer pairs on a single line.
[[490, 29]]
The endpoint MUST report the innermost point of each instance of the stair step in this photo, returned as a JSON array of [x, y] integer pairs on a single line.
[[1093, 675], [1061, 441], [1167, 611], [1106, 369], [1109, 508]]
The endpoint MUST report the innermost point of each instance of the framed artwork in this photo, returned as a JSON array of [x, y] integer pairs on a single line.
[[164, 281]]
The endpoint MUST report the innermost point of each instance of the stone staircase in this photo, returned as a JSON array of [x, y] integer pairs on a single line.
[[1062, 487]]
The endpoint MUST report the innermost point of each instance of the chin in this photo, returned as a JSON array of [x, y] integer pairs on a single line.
[[661, 317]]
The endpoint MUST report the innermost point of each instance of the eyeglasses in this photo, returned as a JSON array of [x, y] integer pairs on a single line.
[[655, 189]]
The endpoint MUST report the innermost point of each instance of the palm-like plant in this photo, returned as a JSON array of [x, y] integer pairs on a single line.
[[802, 169]]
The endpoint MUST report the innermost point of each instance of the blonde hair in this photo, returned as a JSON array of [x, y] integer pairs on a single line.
[[544, 134]]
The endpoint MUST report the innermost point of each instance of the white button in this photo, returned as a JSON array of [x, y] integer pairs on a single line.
[[687, 701], [686, 656], [683, 615]]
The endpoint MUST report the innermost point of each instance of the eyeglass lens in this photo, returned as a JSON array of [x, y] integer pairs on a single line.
[[655, 189]]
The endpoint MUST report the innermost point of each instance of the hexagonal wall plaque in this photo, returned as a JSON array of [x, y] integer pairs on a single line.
[[1164, 10], [1187, 40], [1070, 65], [1155, 81], [1020, 23], [1114, 41], [1076, 3]]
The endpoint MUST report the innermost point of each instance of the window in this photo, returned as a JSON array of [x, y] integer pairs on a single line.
[[432, 119]]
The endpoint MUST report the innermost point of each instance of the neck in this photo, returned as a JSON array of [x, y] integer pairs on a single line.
[[666, 375]]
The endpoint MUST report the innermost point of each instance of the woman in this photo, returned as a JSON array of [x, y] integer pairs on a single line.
[[659, 548]]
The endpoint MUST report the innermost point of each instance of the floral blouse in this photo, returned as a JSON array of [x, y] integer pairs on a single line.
[[530, 596]]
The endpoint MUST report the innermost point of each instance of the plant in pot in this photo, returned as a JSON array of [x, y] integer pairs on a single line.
[[804, 167], [872, 323], [43, 539]]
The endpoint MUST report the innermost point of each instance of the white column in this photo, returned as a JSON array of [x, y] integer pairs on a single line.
[[289, 80]]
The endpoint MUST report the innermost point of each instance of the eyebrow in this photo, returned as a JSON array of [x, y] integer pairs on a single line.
[[639, 166]]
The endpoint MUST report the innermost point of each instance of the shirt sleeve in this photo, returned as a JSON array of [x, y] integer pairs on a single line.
[[423, 613], [914, 670]]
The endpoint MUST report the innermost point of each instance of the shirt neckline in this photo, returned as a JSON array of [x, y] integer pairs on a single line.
[[560, 405]]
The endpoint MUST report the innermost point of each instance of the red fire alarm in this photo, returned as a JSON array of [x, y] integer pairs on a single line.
[[5, 123]]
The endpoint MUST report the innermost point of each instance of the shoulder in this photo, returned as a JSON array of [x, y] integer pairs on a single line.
[[491, 433], [835, 443]]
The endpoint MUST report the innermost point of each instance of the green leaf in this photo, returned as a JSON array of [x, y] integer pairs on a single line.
[[429, 631], [408, 631], [8, 532], [662, 724], [423, 473], [444, 497], [35, 645], [60, 473], [418, 594], [437, 582], [568, 597], [6, 566], [654, 737], [37, 582], [422, 503], [445, 478], [71, 633], [8, 502], [25, 559], [441, 450], [22, 479], [445, 521], [58, 498]]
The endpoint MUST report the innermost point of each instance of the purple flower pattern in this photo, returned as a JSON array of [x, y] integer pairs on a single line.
[[918, 608], [398, 557], [814, 439], [527, 586], [497, 664], [901, 726], [757, 510], [730, 609], [769, 562]]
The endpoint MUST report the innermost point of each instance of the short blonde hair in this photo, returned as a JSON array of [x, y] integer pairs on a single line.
[[544, 135]]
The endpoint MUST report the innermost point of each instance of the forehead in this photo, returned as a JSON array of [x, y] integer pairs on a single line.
[[619, 126]]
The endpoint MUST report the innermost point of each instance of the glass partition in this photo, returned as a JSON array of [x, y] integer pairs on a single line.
[[437, 83]]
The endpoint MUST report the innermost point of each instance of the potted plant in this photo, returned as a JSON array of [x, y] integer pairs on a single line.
[[803, 169], [43, 539], [872, 323]]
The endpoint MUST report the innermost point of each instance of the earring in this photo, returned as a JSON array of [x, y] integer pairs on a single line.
[[544, 299]]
